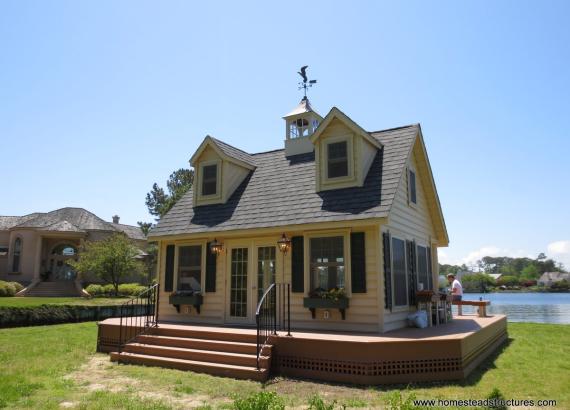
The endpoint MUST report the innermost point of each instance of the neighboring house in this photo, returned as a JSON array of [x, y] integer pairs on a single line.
[[549, 278], [35, 247], [495, 276], [360, 208]]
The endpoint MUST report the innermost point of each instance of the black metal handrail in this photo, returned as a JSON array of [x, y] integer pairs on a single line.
[[138, 315], [273, 313]]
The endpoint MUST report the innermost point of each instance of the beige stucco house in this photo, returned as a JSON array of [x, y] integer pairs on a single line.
[[34, 248], [360, 208]]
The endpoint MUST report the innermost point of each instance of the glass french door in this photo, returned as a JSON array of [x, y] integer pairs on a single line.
[[265, 269], [238, 309]]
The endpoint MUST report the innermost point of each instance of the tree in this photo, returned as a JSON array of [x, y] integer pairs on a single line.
[[111, 259], [159, 202], [145, 227], [530, 272]]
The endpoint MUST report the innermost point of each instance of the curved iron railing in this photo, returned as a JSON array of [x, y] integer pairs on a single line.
[[138, 315], [273, 313]]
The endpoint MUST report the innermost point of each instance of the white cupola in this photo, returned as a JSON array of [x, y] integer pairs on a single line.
[[300, 124]]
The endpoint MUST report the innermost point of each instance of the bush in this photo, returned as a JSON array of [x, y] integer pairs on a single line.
[[499, 399], [18, 286], [7, 288], [317, 403], [396, 401], [125, 289], [262, 400]]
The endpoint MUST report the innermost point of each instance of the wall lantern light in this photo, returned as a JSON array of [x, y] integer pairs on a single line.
[[216, 247], [284, 244]]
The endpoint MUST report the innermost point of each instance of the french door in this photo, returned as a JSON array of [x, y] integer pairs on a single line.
[[238, 287]]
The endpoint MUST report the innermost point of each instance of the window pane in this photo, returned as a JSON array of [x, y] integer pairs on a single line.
[[238, 283], [337, 160], [422, 267], [327, 262], [190, 268], [265, 269], [209, 179], [399, 272], [413, 198]]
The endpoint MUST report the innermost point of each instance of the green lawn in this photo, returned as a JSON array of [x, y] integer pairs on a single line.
[[51, 367], [33, 301]]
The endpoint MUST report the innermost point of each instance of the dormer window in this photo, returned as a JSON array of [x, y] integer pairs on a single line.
[[209, 180], [337, 159]]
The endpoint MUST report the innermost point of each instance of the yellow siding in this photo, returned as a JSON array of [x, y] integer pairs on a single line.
[[412, 222]]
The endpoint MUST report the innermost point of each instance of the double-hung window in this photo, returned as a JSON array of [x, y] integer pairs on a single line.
[[209, 180], [399, 272], [190, 268], [337, 159], [327, 263], [412, 187]]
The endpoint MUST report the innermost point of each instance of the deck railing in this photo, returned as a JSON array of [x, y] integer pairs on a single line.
[[138, 315], [273, 313]]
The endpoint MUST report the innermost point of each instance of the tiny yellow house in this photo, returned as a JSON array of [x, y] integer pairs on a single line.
[[356, 206], [305, 261]]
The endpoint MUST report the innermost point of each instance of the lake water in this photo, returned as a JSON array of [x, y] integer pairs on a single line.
[[526, 307]]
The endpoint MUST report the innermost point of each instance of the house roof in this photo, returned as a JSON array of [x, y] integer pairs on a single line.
[[234, 152], [554, 276], [67, 220], [303, 107], [281, 191]]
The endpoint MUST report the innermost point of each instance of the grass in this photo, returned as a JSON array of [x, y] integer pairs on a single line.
[[37, 301], [50, 366]]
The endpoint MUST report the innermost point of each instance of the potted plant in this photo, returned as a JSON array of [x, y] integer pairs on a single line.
[[334, 298], [186, 297]]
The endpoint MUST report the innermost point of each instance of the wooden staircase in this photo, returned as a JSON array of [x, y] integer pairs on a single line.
[[217, 351]]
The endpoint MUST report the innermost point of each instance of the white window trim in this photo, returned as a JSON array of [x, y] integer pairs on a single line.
[[177, 246], [218, 194], [349, 139], [409, 187], [345, 233], [406, 307]]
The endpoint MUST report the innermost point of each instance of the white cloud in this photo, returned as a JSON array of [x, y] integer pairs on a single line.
[[560, 252], [443, 257], [473, 256], [559, 248]]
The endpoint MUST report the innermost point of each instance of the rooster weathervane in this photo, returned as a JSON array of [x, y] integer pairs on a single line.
[[306, 83]]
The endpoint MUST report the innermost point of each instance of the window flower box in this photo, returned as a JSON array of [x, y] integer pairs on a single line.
[[321, 299], [186, 298]]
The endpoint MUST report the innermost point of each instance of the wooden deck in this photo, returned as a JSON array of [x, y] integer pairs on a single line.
[[446, 352]]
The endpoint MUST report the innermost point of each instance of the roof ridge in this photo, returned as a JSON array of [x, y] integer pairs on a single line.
[[230, 145], [267, 152], [395, 128]]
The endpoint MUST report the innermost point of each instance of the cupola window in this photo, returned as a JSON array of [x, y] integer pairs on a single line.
[[209, 179], [337, 159]]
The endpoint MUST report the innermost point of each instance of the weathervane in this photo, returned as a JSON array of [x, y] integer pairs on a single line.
[[305, 84]]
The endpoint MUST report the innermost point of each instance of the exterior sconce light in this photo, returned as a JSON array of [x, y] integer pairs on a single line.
[[284, 244], [216, 247]]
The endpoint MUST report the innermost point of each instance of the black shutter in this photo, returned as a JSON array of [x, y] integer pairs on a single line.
[[210, 270], [297, 264], [387, 271], [358, 262], [169, 269], [411, 257], [430, 274]]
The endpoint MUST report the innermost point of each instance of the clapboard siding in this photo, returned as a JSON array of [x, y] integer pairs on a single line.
[[413, 223]]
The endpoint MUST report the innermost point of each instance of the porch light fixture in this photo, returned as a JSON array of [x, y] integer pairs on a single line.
[[284, 244], [216, 247]]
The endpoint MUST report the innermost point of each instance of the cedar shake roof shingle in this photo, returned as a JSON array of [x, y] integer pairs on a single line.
[[68, 220], [281, 191]]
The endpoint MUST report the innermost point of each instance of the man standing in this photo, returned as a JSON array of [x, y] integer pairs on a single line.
[[456, 288]]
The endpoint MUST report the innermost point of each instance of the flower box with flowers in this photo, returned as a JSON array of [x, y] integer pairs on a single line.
[[327, 299], [186, 297]]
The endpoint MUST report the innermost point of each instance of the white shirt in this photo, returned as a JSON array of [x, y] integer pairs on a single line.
[[457, 285]]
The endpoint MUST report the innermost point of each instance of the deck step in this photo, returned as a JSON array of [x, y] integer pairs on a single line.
[[237, 359], [216, 369], [201, 344], [213, 333]]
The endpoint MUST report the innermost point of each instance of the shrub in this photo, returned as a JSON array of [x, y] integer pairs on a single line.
[[131, 289], [7, 288], [262, 400], [500, 400], [94, 290], [396, 401], [18, 286], [317, 403], [125, 289]]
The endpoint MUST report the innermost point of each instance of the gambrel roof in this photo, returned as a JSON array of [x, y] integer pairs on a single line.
[[281, 191]]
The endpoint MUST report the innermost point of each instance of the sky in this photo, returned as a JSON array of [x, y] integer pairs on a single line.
[[100, 99]]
